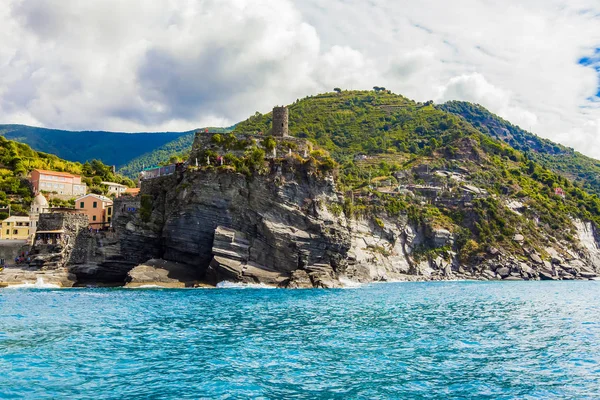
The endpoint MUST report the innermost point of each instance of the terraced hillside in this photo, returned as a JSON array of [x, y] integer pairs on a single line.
[[410, 146]]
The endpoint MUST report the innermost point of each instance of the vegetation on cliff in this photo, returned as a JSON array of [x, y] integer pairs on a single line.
[[382, 140]]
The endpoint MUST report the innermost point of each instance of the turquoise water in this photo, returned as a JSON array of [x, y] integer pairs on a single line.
[[407, 340]]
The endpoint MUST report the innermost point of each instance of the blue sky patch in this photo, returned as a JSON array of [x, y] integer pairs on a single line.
[[593, 62]]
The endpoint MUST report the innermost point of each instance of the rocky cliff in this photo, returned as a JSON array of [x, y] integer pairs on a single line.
[[283, 228]]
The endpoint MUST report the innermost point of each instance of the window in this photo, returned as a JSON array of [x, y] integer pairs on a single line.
[[93, 218], [95, 205], [109, 211], [8, 224], [81, 204], [15, 231], [8, 231], [108, 219]]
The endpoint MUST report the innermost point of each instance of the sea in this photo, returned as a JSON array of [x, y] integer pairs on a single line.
[[471, 340]]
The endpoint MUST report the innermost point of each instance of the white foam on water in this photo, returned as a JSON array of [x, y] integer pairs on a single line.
[[39, 284], [145, 287], [350, 284], [237, 285]]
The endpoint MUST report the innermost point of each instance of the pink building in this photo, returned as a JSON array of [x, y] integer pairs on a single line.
[[62, 183]]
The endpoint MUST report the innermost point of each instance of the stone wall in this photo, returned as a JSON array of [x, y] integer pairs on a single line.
[[73, 246], [126, 205], [69, 222]]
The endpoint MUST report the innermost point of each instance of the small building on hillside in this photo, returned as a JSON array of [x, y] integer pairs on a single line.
[[39, 205], [155, 172], [115, 188], [62, 183], [98, 209], [15, 228]]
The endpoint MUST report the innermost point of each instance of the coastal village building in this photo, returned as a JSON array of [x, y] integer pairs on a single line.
[[132, 191], [62, 183], [39, 205], [115, 188], [97, 208], [15, 228], [155, 172]]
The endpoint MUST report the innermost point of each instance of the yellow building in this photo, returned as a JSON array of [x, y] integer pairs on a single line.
[[15, 228]]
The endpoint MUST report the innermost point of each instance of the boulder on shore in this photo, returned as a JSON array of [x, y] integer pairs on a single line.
[[162, 273], [25, 275]]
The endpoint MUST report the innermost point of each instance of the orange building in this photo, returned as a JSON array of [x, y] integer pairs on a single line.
[[132, 191], [60, 182], [98, 209]]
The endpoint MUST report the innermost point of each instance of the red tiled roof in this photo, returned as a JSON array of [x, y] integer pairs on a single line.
[[55, 173]]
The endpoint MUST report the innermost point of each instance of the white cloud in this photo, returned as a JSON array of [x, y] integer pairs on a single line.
[[168, 64], [476, 89]]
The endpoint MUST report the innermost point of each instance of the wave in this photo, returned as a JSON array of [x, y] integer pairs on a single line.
[[145, 287], [39, 284], [350, 284], [239, 285]]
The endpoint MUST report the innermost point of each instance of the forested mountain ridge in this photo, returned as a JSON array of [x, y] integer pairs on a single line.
[[561, 159], [113, 148]]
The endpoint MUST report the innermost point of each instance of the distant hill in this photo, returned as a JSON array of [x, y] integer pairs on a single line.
[[113, 148], [556, 157], [179, 147]]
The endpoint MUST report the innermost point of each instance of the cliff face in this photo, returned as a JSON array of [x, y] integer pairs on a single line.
[[257, 209], [277, 228], [274, 223]]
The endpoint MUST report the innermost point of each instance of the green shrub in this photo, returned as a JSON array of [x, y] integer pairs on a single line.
[[146, 207]]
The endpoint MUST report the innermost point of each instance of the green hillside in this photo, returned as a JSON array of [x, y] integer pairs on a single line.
[[401, 139], [561, 159], [18, 159], [113, 148]]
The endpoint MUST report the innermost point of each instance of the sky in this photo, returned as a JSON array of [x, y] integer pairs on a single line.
[[138, 65]]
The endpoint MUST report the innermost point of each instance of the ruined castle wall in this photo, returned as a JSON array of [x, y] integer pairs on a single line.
[[70, 223], [280, 122], [204, 141]]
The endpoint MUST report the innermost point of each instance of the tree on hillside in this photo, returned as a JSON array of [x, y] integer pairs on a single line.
[[337, 90]]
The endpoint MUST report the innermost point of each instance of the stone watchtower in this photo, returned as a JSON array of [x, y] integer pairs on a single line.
[[280, 122]]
